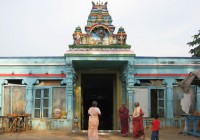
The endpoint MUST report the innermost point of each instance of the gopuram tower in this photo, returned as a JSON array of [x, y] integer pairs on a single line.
[[99, 67]]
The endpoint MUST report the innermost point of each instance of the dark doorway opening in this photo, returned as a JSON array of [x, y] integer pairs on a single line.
[[154, 102], [98, 87], [157, 102]]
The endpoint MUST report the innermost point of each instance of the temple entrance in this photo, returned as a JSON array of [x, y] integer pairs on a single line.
[[98, 87]]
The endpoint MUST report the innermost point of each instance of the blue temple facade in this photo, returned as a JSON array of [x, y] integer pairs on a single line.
[[100, 66]]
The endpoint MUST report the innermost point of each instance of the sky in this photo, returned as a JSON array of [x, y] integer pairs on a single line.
[[159, 28]]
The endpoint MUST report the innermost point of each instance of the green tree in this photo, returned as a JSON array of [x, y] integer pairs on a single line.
[[196, 44]]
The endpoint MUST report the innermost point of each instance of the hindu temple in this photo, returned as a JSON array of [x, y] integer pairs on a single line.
[[99, 65]]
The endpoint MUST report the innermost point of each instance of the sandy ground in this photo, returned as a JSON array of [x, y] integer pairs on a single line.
[[165, 134]]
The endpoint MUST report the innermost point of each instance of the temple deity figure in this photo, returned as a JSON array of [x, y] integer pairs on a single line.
[[121, 39], [121, 36], [77, 36], [101, 35], [77, 39]]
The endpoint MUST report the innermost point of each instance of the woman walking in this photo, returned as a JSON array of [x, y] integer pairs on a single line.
[[93, 122]]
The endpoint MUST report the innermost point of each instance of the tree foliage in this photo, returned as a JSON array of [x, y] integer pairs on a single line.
[[196, 44]]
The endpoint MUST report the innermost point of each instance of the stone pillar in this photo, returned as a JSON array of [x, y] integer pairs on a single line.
[[70, 81], [130, 84], [129, 89], [169, 98], [29, 94], [198, 99]]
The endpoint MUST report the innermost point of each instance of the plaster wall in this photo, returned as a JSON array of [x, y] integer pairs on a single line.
[[32, 69]]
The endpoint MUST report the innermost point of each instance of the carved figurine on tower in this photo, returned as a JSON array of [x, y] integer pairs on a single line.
[[101, 35], [77, 36], [121, 36]]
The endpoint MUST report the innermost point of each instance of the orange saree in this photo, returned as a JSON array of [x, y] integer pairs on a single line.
[[93, 123]]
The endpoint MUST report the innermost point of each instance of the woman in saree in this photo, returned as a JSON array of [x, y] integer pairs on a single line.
[[93, 122], [138, 128], [123, 113]]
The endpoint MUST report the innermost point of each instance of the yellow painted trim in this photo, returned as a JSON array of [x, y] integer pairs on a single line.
[[78, 100]]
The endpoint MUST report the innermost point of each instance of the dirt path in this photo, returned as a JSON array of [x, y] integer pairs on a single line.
[[165, 134]]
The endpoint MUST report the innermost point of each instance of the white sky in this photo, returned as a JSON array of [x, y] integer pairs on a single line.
[[45, 27]]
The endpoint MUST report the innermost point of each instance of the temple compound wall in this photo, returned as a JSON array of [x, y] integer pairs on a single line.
[[40, 85]]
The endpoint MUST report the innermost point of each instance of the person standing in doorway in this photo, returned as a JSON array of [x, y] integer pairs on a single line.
[[123, 113], [155, 128], [137, 120], [93, 122]]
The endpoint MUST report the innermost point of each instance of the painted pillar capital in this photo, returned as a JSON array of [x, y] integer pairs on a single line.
[[3, 81], [30, 82], [137, 81], [64, 81], [169, 82]]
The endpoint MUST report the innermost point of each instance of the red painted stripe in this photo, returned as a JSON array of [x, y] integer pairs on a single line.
[[32, 75], [64, 75], [159, 75]]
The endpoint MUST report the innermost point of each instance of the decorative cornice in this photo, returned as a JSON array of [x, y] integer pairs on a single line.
[[100, 52], [114, 46], [99, 55]]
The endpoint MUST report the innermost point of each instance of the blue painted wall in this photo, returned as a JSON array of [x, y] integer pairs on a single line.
[[33, 69]]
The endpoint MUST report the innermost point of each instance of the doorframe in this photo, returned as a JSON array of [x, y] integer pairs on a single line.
[[164, 99], [117, 90]]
